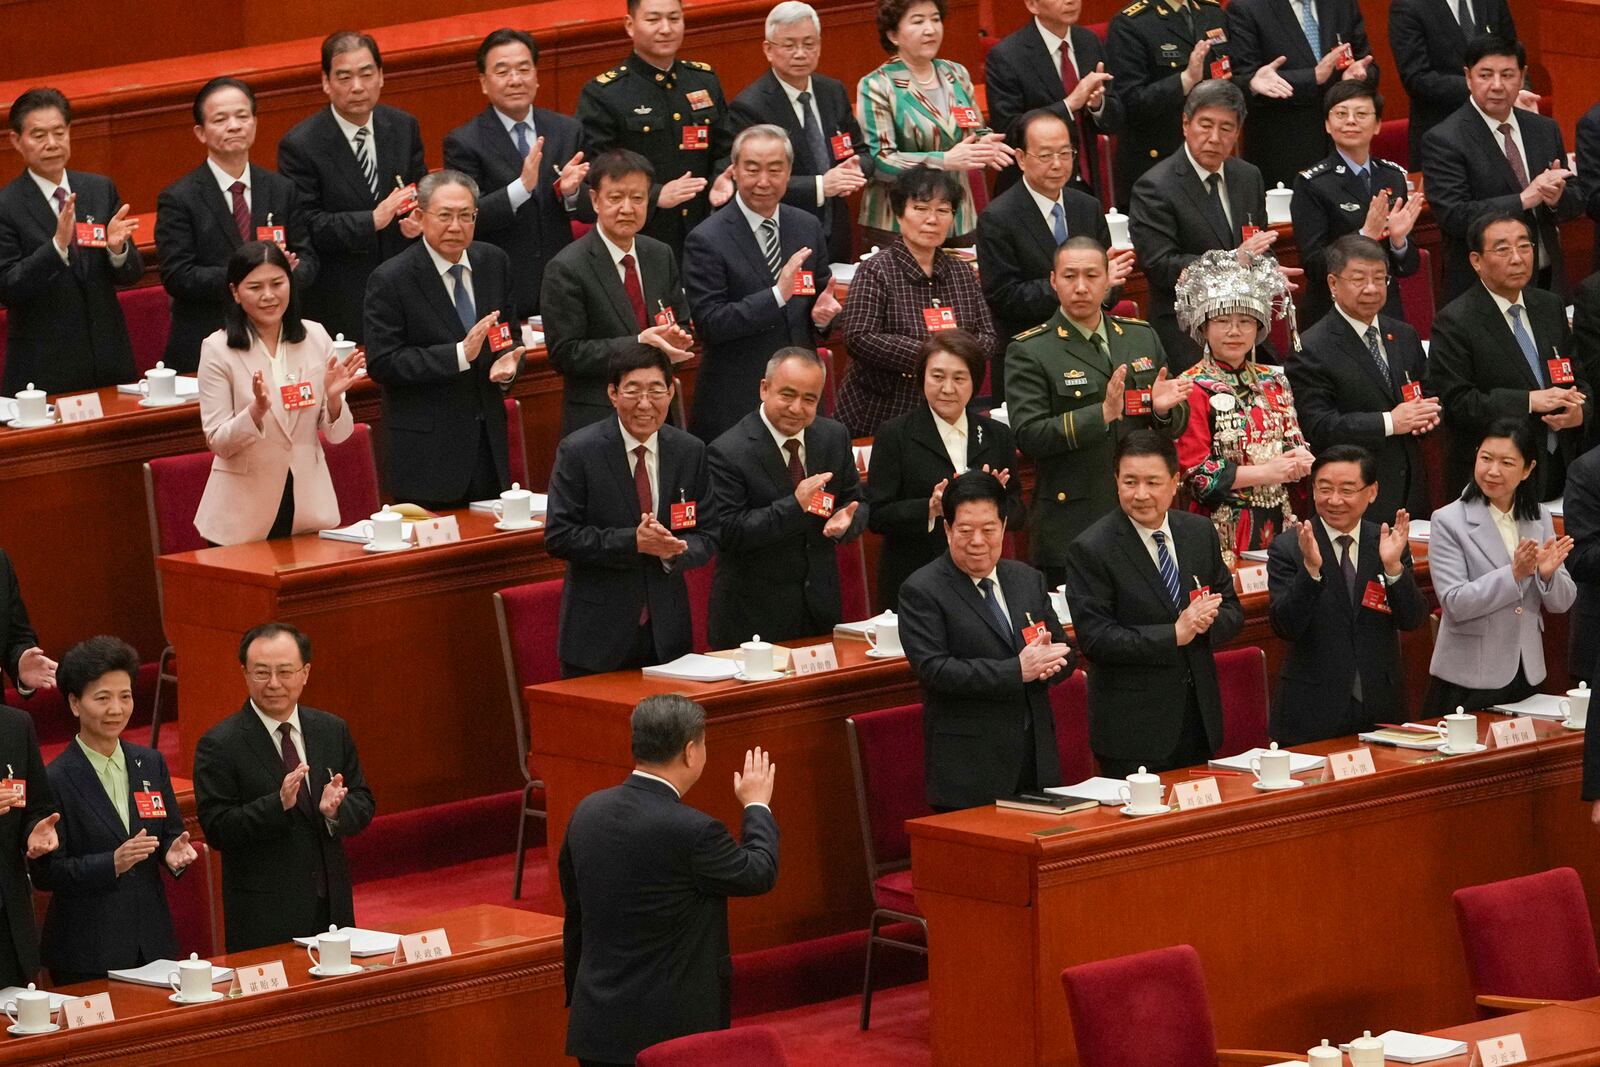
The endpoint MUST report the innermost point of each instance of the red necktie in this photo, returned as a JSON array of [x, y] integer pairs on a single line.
[[797, 470], [635, 291], [641, 475], [1514, 157], [1069, 73], [1069, 82], [291, 761], [241, 210]]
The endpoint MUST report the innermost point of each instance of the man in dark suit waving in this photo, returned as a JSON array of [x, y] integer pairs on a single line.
[[985, 646], [757, 278], [1341, 591], [1151, 598], [65, 329], [278, 787], [830, 158], [629, 512], [526, 161], [355, 163], [646, 880]]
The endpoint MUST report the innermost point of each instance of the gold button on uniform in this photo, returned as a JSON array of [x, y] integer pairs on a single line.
[[647, 129], [1061, 498], [676, 116], [1153, 153], [1519, 611], [1077, 392]]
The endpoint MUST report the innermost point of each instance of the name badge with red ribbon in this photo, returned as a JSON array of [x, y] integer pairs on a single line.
[[273, 233], [1248, 230], [821, 503], [696, 138], [1198, 591], [939, 318], [683, 513], [1411, 391], [1032, 631], [1376, 597], [968, 118], [1136, 402], [699, 99], [150, 803], [14, 787], [1221, 67], [805, 283], [665, 316], [90, 234], [409, 201], [1560, 371], [297, 395], [842, 148], [500, 337]]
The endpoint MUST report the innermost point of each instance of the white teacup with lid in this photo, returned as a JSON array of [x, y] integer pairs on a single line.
[[160, 385], [192, 980], [884, 635], [343, 349], [1271, 768], [30, 1009], [1576, 705], [1365, 1051], [1278, 205], [31, 405], [757, 657], [1459, 730], [388, 530], [1143, 791], [515, 506], [1324, 1055]]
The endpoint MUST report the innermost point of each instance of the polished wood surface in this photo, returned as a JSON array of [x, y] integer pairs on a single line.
[[1317, 911], [1562, 1035], [500, 994], [405, 644]]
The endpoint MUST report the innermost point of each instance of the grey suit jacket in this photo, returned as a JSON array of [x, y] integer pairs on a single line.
[[1490, 622]]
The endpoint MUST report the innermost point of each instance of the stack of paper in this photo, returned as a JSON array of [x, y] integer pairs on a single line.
[[694, 667], [361, 532], [858, 630], [158, 973], [1258, 555], [1411, 735], [1058, 600], [1538, 706], [1420, 529], [9, 994], [843, 273], [541, 504], [363, 942], [1401, 1047], [1299, 762], [188, 388], [1106, 790]]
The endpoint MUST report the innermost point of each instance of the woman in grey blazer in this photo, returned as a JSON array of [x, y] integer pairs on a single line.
[[1496, 565]]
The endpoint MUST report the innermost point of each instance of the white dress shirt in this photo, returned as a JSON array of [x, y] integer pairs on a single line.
[[1056, 46], [1506, 526], [755, 221], [443, 266], [298, 740], [225, 183], [1361, 331], [1047, 208], [516, 191], [1527, 325], [652, 462], [815, 119], [954, 436], [1222, 186], [780, 439], [1355, 550], [1145, 535], [617, 252], [350, 129]]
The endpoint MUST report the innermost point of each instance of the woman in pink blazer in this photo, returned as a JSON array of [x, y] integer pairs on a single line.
[[268, 382]]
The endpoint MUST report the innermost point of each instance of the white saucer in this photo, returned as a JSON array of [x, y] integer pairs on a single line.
[[18, 424], [371, 547], [1129, 809], [878, 653], [1568, 724], [25, 1031], [1448, 751], [533, 524], [210, 998], [318, 972], [769, 676], [1293, 783], [147, 402]]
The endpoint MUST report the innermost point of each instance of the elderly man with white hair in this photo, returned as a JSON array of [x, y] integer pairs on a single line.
[[830, 160]]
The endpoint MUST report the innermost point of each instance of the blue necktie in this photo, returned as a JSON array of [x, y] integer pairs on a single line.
[[1061, 223], [520, 132], [1308, 23], [987, 586], [464, 309], [1168, 569], [1525, 342]]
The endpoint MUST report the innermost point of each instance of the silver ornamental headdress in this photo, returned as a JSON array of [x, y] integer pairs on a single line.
[[1219, 284]]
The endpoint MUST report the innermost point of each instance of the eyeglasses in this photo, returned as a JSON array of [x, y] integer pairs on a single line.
[[263, 675], [1065, 155], [1343, 492], [450, 218], [1523, 248], [654, 392], [1341, 114], [796, 47], [1361, 281]]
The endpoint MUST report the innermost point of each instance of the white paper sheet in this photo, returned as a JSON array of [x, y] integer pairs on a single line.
[[1298, 761], [541, 504], [1402, 1047], [694, 667], [1106, 790], [188, 387], [361, 532], [1539, 706], [859, 629], [157, 972], [9, 994], [363, 942]]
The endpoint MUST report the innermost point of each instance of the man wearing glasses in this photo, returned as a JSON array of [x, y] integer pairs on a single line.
[[630, 513], [442, 336], [278, 787]]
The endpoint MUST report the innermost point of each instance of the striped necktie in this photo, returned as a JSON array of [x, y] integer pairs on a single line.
[[1168, 569], [369, 170], [769, 246]]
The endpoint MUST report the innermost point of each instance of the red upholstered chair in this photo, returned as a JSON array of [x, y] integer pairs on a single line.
[[516, 443], [1105, 179], [528, 616], [1529, 941], [886, 758], [192, 900], [1099, 29], [748, 1046], [1148, 1008], [1126, 309], [1069, 702], [149, 319], [699, 582], [1416, 296], [829, 383], [1394, 142], [172, 490], [853, 581], [1242, 681], [354, 474]]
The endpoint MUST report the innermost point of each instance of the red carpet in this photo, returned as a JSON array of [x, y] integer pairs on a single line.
[[827, 1035]]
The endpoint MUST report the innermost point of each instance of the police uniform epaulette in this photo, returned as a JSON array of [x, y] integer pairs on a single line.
[[611, 75], [1136, 7], [1312, 172], [1031, 331], [1390, 163], [697, 65]]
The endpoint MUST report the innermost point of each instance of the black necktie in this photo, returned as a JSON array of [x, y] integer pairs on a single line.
[[1347, 564], [1468, 29], [812, 132], [986, 585], [1214, 195]]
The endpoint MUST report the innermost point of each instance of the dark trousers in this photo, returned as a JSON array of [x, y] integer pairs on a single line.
[[10, 967], [283, 524], [1445, 697], [1193, 747], [485, 483], [641, 654], [1303, 731]]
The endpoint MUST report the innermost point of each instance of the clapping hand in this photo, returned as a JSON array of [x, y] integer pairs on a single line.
[[1266, 81], [572, 176], [790, 269], [43, 839], [36, 670], [670, 338], [653, 539], [679, 190], [1310, 547], [1120, 263], [1525, 559], [333, 795], [1197, 618], [1167, 392], [1392, 541], [1403, 217], [838, 523], [180, 853], [1003, 475], [1111, 407], [936, 499], [722, 188], [66, 220], [119, 229], [472, 344], [260, 399], [289, 789], [1042, 658], [133, 851], [339, 377], [531, 163], [507, 366], [1551, 555]]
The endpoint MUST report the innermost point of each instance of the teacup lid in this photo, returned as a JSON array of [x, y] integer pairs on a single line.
[[30, 388], [333, 928], [32, 988], [1583, 685], [1272, 746], [1366, 1041], [160, 365], [338, 338], [515, 486]]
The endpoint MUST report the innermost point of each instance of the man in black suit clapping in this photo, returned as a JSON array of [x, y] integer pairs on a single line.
[[646, 880], [21, 658]]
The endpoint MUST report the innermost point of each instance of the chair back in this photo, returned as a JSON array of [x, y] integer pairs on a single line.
[[830, 383], [1393, 142], [886, 750], [1242, 682], [516, 443], [853, 581], [1105, 176], [148, 314], [1529, 937], [192, 900], [528, 616], [354, 474], [1136, 1010], [173, 486], [1069, 701], [1126, 309], [1416, 295], [698, 580], [742, 1047]]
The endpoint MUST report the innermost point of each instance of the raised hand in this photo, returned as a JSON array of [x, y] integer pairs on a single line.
[[1376, 225], [790, 268], [1551, 555], [754, 785], [936, 499], [531, 163], [572, 175], [679, 190], [838, 523], [180, 853], [1525, 559], [1194, 71], [260, 401], [36, 670], [338, 377], [722, 189], [119, 229], [1116, 386], [333, 795], [289, 789], [1266, 81], [808, 487], [507, 366], [1119, 265], [1310, 547], [133, 851], [1167, 392], [1392, 542], [1403, 217], [43, 839], [472, 344], [66, 220], [1003, 475]]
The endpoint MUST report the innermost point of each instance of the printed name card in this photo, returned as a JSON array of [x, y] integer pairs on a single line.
[[80, 408], [1510, 733], [90, 1011], [1498, 1051], [428, 945], [1354, 763], [262, 978], [441, 531], [1252, 579], [815, 659], [1200, 793]]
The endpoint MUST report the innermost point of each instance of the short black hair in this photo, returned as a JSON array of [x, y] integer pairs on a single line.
[[973, 487], [507, 35], [38, 100], [1146, 443], [662, 725], [959, 343], [634, 357], [633, 5], [890, 12], [1525, 501], [616, 164], [268, 630], [925, 183], [1485, 45], [339, 42], [214, 86], [235, 323], [1347, 454], [1079, 242], [1017, 136], [1347, 89], [1352, 246], [1478, 228], [95, 658]]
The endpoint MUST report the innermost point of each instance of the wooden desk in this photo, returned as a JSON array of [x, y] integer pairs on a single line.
[[406, 648], [500, 995], [1565, 1035], [1293, 899]]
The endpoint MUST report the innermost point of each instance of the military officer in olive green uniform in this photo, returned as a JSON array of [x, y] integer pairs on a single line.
[[1079, 383], [669, 110]]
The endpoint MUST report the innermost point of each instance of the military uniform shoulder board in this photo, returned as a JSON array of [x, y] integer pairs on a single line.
[[1390, 163], [1032, 331], [697, 65], [1312, 172], [1136, 7], [611, 75], [1213, 3], [1129, 319]]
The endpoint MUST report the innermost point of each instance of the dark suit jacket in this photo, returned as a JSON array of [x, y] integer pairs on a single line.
[[1586, 328], [593, 513], [338, 207], [196, 235], [777, 574], [908, 460], [1285, 136], [1123, 619], [1332, 639], [1587, 150], [764, 100], [1341, 397], [542, 226], [16, 632], [19, 747], [1021, 75], [974, 702], [1478, 373], [1582, 507], [1017, 249], [99, 920], [64, 326], [645, 879], [1329, 202], [738, 322], [1171, 225], [1429, 52], [1469, 175], [431, 410], [276, 863], [587, 317]]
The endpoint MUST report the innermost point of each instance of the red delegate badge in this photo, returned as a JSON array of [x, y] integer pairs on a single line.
[[665, 316], [1411, 391], [271, 233], [297, 395], [14, 787], [696, 138], [150, 804], [1136, 402], [500, 337], [968, 118], [939, 318], [1376, 597], [1198, 591], [842, 148], [1221, 67], [1033, 630], [683, 517], [805, 283], [821, 503], [90, 234], [1560, 370]]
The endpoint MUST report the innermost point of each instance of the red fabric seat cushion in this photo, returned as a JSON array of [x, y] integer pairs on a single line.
[[893, 891]]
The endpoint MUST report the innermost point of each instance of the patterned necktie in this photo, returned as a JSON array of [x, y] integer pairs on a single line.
[[1168, 569], [1514, 156], [241, 210], [1525, 342], [813, 134], [291, 762], [1346, 564], [635, 291], [520, 133], [797, 470], [1377, 353], [61, 205], [999, 613], [1308, 23], [1069, 73], [1469, 29], [464, 309], [369, 170], [1060, 218], [769, 246], [641, 489]]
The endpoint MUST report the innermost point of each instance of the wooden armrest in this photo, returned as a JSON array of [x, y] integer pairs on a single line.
[[1255, 1056], [1513, 1004]]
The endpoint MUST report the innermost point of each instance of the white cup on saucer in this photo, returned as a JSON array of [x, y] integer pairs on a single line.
[[31, 405], [160, 384], [342, 349], [1271, 768], [192, 980], [388, 529], [1459, 730], [884, 636], [1143, 791], [1576, 705], [757, 657], [515, 506], [30, 1009], [331, 951]]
